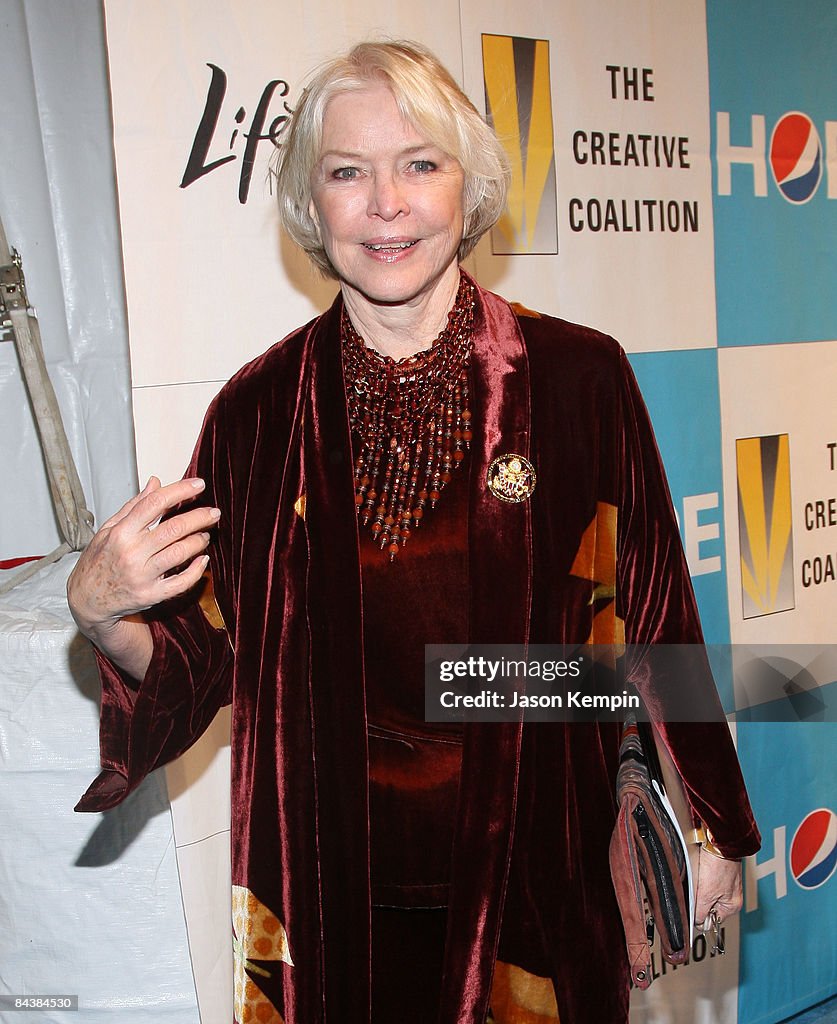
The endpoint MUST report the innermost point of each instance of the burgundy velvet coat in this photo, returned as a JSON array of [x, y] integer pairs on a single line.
[[593, 556]]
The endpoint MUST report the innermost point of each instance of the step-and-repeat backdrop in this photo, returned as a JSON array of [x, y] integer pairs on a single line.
[[674, 183]]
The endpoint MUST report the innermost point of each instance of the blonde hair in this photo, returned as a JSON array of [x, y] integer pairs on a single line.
[[429, 99]]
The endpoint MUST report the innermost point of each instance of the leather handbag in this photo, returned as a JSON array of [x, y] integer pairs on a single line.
[[648, 858]]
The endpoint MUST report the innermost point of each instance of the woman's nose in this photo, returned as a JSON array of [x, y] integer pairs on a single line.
[[388, 198]]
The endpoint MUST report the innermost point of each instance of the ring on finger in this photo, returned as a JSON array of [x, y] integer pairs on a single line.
[[713, 923]]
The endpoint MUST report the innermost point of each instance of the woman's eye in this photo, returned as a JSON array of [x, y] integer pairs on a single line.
[[345, 173], [423, 166]]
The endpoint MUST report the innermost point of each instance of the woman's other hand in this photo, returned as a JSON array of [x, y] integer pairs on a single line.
[[128, 567], [718, 887]]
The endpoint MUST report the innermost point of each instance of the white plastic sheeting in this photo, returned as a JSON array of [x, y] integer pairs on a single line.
[[58, 205], [89, 903]]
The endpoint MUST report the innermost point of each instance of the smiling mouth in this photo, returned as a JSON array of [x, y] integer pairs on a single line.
[[388, 246]]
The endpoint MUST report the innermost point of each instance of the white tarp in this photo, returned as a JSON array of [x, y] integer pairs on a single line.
[[58, 205], [89, 903]]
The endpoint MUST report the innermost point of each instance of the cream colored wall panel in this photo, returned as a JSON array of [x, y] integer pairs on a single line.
[[769, 391], [167, 421], [205, 884], [616, 268], [209, 284]]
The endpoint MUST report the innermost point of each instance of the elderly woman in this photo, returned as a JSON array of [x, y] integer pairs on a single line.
[[422, 463]]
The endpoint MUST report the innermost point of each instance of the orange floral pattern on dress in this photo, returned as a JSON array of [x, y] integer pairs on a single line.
[[258, 934], [518, 997], [595, 561], [208, 603]]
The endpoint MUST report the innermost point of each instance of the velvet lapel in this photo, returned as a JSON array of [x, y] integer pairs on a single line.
[[500, 571], [337, 685], [499, 537]]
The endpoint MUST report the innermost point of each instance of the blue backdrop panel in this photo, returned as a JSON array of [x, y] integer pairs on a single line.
[[681, 392], [775, 257], [788, 941]]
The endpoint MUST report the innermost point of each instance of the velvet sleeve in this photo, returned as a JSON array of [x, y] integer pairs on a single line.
[[658, 606], [189, 676]]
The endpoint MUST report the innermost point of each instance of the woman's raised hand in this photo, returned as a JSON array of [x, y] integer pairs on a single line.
[[128, 567]]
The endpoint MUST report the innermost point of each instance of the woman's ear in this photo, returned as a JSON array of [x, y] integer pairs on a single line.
[[315, 217]]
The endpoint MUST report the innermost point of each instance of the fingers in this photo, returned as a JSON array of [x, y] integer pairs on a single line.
[[721, 908], [725, 906], [718, 887], [702, 908], [131, 563], [179, 583], [179, 527], [179, 553], [156, 502], [153, 484], [154, 549], [720, 903]]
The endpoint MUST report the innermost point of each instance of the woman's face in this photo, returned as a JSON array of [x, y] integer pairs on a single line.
[[387, 203]]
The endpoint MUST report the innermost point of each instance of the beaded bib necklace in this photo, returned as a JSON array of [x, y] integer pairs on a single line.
[[411, 421]]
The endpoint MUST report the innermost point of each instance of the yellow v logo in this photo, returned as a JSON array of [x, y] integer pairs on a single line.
[[764, 524], [519, 104]]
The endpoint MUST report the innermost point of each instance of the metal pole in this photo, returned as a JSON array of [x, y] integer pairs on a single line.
[[74, 519]]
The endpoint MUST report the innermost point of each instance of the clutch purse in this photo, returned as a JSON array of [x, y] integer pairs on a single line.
[[648, 862]]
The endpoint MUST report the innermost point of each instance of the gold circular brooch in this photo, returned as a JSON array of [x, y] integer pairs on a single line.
[[511, 478]]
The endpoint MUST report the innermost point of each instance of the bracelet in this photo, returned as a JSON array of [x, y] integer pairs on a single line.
[[704, 838]]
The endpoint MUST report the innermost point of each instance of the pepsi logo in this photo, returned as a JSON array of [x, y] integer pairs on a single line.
[[796, 157], [813, 851]]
